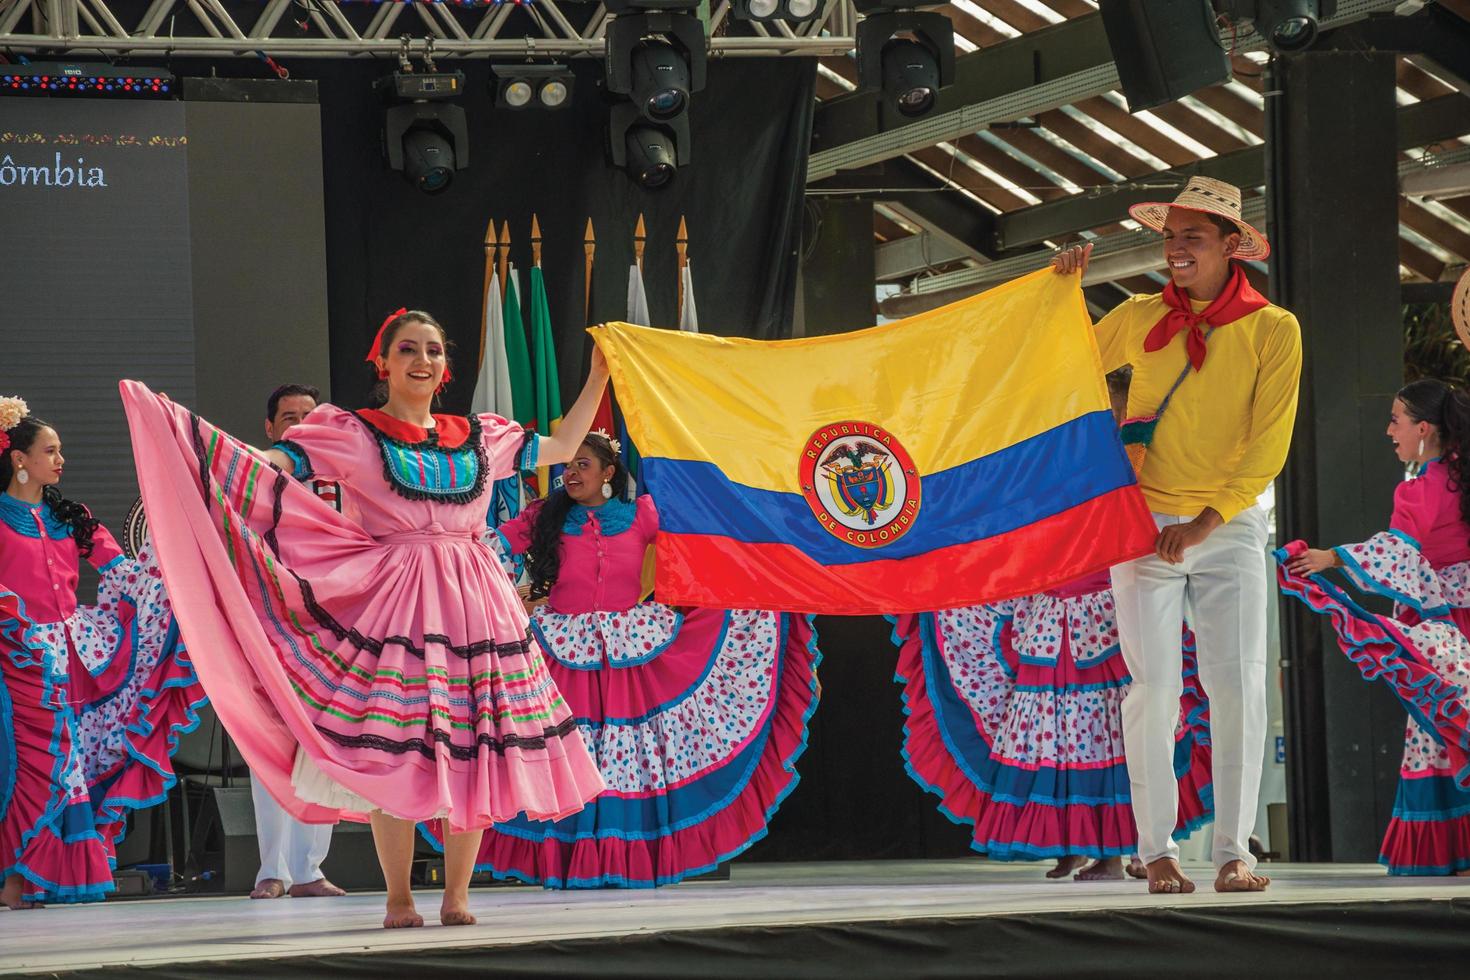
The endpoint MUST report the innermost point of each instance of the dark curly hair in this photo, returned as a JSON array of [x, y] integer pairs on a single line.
[[69, 512], [543, 557], [1448, 410], [379, 396]]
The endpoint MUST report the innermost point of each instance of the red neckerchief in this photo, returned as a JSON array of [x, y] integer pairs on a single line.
[[451, 430], [1239, 298]]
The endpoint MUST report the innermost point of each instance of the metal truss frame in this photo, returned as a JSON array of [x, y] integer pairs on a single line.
[[335, 29]]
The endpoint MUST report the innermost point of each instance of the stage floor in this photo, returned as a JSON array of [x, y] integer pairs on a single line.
[[194, 935]]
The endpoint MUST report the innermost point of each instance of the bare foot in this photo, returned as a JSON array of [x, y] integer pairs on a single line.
[[1108, 869], [1135, 868], [1066, 866], [12, 895], [321, 888], [268, 888], [1166, 878], [401, 915], [456, 913], [1236, 877]]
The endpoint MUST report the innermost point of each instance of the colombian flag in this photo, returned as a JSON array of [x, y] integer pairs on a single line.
[[961, 456]]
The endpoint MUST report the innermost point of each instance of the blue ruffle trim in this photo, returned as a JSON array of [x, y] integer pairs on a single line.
[[17, 515], [613, 517]]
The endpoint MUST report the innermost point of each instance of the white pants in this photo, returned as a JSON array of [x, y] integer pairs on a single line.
[[292, 852], [1222, 582]]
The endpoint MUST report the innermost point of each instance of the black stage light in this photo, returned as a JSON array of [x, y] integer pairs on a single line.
[[1164, 49], [425, 137], [532, 86], [910, 75], [655, 60], [909, 54], [764, 11], [1287, 25], [650, 152], [660, 79]]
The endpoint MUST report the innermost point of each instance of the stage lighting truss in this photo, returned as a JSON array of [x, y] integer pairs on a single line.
[[532, 86], [341, 28], [66, 78]]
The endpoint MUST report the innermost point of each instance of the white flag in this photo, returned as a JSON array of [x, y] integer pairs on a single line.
[[689, 315], [637, 297], [492, 387]]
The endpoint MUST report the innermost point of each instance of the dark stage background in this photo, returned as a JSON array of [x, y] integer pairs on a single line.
[[388, 245]]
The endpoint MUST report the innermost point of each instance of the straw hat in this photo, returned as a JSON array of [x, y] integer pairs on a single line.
[[1460, 308], [1212, 197]]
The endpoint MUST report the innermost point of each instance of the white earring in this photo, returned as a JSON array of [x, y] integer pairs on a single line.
[[1421, 447], [607, 491], [22, 477]]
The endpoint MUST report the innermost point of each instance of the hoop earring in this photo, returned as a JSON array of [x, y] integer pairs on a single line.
[[22, 477], [607, 491]]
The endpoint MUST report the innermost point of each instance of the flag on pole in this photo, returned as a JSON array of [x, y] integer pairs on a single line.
[[849, 475], [637, 313], [547, 387], [493, 394], [493, 387], [688, 315], [517, 356], [637, 298]]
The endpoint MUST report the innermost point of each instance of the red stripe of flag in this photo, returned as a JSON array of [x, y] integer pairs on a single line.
[[709, 570]]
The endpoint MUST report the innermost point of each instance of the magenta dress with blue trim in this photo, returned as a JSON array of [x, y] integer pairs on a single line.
[[1015, 722], [91, 706], [1421, 651], [696, 717]]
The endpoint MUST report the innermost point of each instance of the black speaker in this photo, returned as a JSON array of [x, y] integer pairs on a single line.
[[1164, 49]]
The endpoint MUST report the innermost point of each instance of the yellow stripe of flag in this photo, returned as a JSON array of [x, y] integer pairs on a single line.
[[953, 384]]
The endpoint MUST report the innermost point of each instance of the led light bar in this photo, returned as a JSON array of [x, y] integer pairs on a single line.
[[67, 78]]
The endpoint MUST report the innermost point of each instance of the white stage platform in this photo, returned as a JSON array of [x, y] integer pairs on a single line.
[[201, 936]]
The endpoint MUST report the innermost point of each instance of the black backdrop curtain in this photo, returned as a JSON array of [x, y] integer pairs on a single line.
[[388, 245]]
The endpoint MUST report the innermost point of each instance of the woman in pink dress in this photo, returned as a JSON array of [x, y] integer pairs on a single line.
[[376, 663], [92, 698], [1422, 564], [696, 716]]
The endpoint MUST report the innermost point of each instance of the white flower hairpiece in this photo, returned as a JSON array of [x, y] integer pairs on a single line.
[[617, 446], [12, 409]]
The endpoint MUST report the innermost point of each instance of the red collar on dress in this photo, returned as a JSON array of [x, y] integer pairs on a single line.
[[449, 432]]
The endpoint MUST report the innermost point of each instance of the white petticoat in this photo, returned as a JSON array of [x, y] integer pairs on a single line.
[[311, 785]]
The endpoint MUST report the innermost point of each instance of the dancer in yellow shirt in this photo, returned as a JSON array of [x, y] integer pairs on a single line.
[[1215, 375]]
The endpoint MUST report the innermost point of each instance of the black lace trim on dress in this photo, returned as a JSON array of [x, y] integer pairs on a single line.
[[278, 488], [375, 646], [202, 456], [464, 753], [431, 444]]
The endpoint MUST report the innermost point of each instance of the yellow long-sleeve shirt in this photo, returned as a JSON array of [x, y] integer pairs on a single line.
[[1225, 434]]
